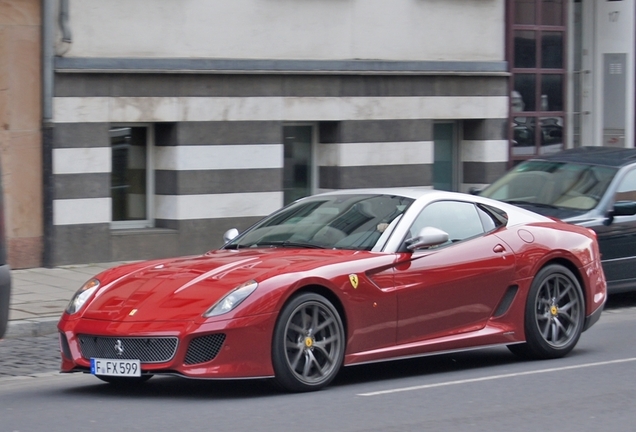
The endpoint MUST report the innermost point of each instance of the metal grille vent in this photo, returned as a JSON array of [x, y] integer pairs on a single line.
[[146, 350], [66, 349], [204, 348]]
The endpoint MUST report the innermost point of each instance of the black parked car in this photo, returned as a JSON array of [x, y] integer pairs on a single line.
[[589, 186]]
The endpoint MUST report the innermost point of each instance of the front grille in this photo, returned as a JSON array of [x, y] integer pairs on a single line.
[[204, 348], [146, 350]]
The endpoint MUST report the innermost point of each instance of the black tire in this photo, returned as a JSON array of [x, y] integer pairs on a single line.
[[124, 381], [308, 344], [554, 315]]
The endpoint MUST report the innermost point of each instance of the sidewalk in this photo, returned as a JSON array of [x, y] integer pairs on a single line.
[[40, 295]]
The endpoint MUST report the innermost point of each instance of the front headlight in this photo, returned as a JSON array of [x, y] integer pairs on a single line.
[[232, 299], [83, 294]]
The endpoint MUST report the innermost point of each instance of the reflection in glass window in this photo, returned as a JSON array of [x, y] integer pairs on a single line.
[[128, 177], [524, 85], [459, 219], [525, 49], [523, 133], [525, 12], [627, 188], [552, 92], [559, 184], [357, 222], [537, 37], [551, 50], [552, 12], [551, 134], [298, 165]]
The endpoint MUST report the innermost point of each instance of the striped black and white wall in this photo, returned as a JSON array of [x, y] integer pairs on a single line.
[[218, 145]]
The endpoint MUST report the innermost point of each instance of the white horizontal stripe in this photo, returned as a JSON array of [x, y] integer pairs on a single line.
[[495, 377], [81, 160], [181, 158], [81, 211], [177, 109], [380, 153], [484, 151], [183, 207]]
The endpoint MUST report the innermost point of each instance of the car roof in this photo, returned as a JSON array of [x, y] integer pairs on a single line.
[[515, 214], [607, 156], [407, 192]]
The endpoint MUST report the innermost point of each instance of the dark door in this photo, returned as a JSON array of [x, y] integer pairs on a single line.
[[617, 240]]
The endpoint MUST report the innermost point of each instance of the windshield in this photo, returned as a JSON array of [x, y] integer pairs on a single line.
[[555, 184], [356, 222]]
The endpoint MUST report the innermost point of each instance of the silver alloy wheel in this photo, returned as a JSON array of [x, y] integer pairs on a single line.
[[558, 309], [313, 342]]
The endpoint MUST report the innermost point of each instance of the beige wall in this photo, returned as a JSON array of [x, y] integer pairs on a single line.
[[20, 131], [410, 30]]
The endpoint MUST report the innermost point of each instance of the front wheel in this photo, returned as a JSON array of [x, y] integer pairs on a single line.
[[554, 315], [308, 343]]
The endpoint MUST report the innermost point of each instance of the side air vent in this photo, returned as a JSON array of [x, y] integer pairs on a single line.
[[506, 300]]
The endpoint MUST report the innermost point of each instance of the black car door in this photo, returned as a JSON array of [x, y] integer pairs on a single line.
[[617, 239]]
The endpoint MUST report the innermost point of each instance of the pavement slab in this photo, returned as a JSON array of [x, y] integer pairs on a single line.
[[39, 296]]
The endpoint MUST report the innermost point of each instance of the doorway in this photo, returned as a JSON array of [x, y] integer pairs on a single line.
[[445, 156], [298, 168]]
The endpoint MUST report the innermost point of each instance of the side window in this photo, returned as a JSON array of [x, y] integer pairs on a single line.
[[626, 190], [459, 219], [491, 217]]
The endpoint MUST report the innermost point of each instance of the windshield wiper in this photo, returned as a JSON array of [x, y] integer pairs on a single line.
[[285, 243], [530, 203]]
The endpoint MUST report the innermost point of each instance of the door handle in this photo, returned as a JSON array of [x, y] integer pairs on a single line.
[[499, 249]]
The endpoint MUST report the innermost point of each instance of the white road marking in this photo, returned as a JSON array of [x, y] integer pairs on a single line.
[[494, 377]]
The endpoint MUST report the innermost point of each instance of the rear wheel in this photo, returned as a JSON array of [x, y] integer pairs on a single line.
[[554, 316], [308, 344]]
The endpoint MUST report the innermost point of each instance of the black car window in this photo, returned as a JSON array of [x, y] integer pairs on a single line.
[[553, 184], [626, 190], [460, 220], [491, 217], [355, 221]]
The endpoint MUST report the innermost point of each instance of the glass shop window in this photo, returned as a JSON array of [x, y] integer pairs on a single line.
[[131, 177]]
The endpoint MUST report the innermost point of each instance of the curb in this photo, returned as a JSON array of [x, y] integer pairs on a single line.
[[31, 328]]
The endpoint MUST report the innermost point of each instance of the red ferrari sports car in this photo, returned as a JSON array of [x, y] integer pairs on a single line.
[[340, 279]]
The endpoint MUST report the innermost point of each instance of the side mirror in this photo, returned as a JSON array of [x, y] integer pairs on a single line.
[[427, 237], [621, 208], [624, 208], [230, 235]]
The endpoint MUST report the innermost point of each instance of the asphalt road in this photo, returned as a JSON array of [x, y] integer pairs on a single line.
[[591, 389]]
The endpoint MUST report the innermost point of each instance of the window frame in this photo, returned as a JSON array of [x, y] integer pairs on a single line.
[[149, 222]]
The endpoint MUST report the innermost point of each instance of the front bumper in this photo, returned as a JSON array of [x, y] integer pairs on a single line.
[[591, 319], [245, 351]]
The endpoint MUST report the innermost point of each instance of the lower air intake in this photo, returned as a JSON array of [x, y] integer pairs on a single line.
[[204, 348]]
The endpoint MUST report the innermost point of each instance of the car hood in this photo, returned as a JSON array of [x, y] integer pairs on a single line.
[[183, 289]]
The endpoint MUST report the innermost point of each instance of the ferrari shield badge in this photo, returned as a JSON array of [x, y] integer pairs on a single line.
[[353, 278]]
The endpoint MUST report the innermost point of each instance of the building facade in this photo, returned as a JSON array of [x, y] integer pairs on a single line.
[[172, 124], [144, 129]]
